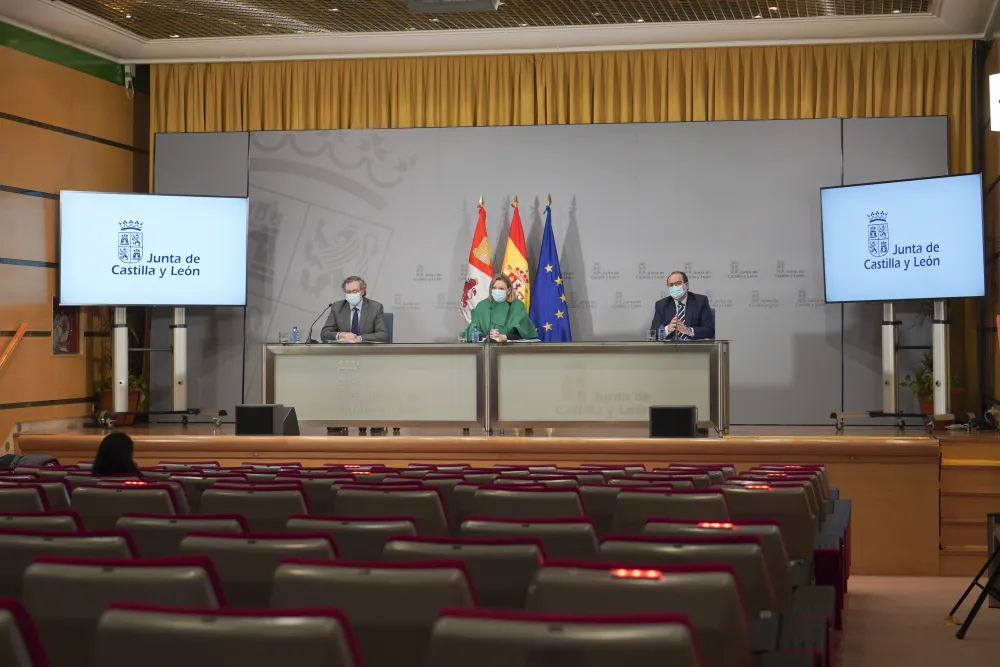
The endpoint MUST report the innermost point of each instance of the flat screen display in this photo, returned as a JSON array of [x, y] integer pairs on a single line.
[[901, 240], [152, 250]]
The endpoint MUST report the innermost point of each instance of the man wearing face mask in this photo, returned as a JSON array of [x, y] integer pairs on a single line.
[[684, 315], [356, 318]]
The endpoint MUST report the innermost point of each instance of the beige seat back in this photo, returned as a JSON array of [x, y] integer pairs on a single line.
[[246, 563], [709, 595], [391, 606], [476, 638], [66, 596], [210, 638], [19, 642], [356, 539], [19, 548], [501, 570], [160, 536]]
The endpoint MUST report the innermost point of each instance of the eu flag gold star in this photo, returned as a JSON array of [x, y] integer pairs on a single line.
[[558, 281], [548, 327], [562, 297], [559, 314], [548, 268]]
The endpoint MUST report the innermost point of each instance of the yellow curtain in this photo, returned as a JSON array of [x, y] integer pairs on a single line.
[[734, 83]]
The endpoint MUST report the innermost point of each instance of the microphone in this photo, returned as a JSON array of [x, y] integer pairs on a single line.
[[309, 336]]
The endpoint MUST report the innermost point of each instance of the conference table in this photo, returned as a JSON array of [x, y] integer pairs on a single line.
[[490, 386]]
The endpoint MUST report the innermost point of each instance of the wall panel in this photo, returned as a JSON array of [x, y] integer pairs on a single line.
[[40, 159], [34, 374], [26, 297], [49, 93], [28, 226]]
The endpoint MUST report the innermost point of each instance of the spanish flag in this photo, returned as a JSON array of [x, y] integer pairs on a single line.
[[515, 259], [480, 273]]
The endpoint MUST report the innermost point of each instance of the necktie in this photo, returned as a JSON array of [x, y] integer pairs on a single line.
[[681, 310], [354, 321]]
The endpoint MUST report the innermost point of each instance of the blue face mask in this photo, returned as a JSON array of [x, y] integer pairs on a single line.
[[353, 299], [499, 295], [677, 292]]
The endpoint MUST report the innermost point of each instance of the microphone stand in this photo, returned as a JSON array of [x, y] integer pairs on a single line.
[[309, 336]]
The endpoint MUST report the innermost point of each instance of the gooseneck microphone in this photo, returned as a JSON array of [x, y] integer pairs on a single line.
[[309, 336]]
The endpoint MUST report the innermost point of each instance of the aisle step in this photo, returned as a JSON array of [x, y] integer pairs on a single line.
[[961, 562], [970, 476], [969, 504], [957, 533]]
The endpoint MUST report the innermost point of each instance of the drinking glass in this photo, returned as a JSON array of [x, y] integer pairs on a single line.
[[651, 335], [463, 338], [282, 338]]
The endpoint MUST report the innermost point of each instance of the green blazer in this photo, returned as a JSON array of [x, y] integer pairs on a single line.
[[510, 319]]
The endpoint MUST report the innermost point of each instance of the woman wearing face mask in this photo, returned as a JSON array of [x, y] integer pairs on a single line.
[[502, 316]]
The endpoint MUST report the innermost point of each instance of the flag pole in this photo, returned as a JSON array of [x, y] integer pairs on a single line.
[[515, 201], [480, 198], [549, 201]]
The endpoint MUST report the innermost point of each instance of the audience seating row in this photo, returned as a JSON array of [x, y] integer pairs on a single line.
[[742, 556]]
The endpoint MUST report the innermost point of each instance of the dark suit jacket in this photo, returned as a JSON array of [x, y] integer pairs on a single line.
[[698, 315], [371, 324]]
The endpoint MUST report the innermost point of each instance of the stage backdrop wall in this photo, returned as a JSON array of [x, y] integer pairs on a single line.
[[734, 204]]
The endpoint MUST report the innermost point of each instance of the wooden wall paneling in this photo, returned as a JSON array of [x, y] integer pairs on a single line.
[[39, 159], [49, 93], [26, 297], [34, 374], [28, 227], [9, 417]]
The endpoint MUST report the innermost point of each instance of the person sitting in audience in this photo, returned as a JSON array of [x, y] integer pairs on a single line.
[[114, 456]]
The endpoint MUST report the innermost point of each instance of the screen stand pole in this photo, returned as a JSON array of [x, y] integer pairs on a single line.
[[119, 361], [178, 334], [890, 335], [942, 370]]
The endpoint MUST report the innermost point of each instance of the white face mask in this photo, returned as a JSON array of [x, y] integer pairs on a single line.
[[499, 295], [353, 299]]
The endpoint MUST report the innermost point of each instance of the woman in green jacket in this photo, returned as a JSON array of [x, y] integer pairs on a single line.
[[502, 317]]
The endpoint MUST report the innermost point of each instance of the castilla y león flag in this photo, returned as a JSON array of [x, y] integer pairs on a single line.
[[515, 259], [477, 280]]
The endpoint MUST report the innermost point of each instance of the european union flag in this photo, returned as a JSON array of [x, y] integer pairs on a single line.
[[548, 295]]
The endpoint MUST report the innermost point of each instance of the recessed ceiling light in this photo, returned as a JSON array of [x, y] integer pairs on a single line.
[[435, 20], [773, 8], [524, 25], [128, 16], [334, 9], [411, 28], [174, 36], [895, 11], [640, 20], [597, 13]]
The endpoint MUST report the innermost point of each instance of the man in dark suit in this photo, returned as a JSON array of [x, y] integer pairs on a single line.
[[356, 317], [684, 315]]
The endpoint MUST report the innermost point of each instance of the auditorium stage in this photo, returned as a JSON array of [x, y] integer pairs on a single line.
[[890, 476]]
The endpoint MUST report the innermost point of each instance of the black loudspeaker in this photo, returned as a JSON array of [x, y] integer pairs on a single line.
[[266, 420], [673, 421]]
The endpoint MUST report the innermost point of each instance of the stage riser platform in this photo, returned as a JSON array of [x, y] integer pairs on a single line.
[[893, 482]]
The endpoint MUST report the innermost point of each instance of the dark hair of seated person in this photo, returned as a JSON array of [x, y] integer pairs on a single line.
[[114, 456]]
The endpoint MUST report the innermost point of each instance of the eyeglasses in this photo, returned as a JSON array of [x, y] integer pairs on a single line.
[[352, 291], [676, 283]]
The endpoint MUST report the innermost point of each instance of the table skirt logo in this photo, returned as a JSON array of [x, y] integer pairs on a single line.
[[130, 241], [878, 234]]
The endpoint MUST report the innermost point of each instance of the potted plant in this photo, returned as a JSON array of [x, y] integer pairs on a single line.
[[922, 385], [136, 397]]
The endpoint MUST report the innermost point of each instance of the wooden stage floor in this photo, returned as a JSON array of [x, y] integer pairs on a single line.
[[890, 476]]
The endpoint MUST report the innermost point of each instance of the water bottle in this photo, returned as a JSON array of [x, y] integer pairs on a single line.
[[295, 336], [661, 333], [476, 336]]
